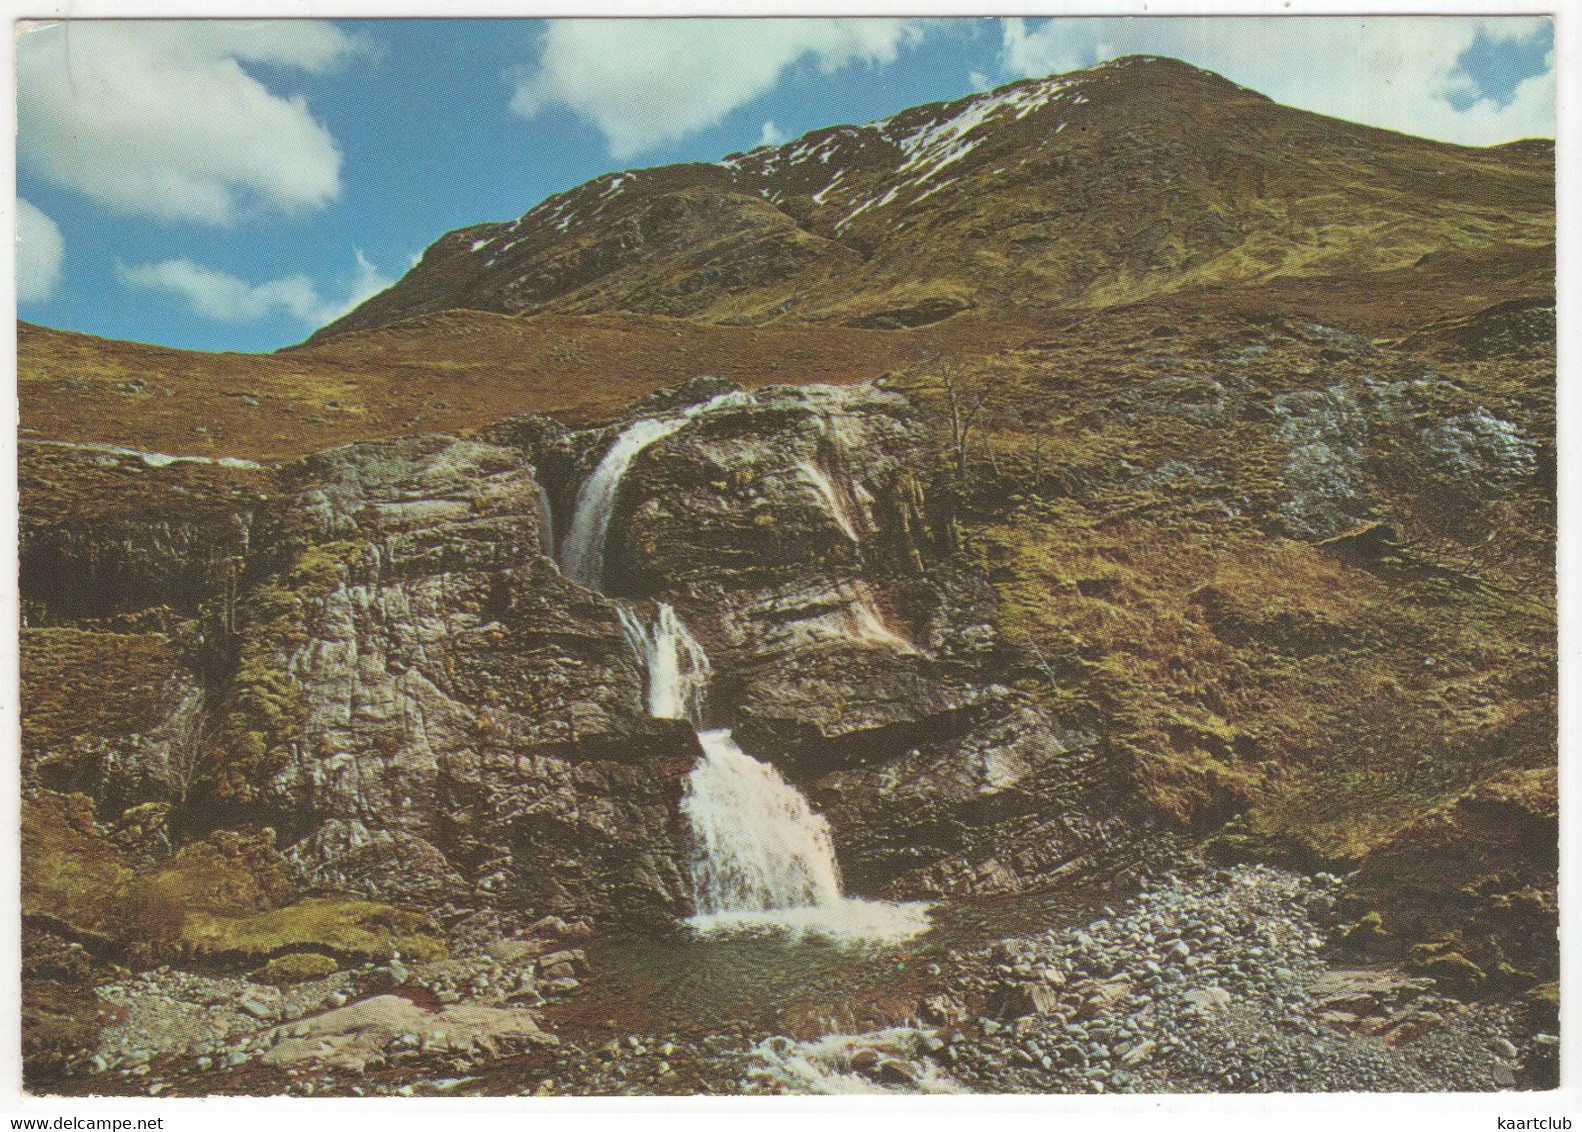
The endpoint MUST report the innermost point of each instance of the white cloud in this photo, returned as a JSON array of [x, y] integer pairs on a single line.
[[1397, 72], [159, 118], [39, 250], [647, 82], [771, 134], [225, 298]]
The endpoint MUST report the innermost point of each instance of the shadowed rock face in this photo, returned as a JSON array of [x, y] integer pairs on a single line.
[[466, 711], [1468, 889]]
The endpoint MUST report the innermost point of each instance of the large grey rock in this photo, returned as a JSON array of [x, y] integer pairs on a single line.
[[467, 713], [1326, 432]]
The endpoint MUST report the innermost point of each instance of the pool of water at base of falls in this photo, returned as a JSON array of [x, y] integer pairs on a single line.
[[775, 946], [794, 983]]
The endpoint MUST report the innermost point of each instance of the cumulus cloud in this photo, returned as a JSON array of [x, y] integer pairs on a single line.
[[771, 134], [160, 118], [644, 83], [39, 250], [1398, 72], [226, 298]]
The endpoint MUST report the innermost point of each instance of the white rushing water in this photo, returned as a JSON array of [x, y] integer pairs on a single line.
[[582, 552], [761, 847], [827, 1065], [677, 666], [763, 857]]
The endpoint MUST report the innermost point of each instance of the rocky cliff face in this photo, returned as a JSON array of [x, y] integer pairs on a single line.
[[468, 721], [398, 678], [804, 535]]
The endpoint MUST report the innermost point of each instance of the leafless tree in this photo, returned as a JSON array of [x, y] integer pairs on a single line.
[[964, 406]]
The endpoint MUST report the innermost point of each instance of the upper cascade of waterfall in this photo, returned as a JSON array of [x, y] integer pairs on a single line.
[[582, 552]]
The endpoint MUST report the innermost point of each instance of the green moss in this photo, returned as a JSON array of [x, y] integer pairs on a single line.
[[74, 874], [297, 967], [70, 871], [267, 711], [225, 899], [1442, 961], [228, 873], [1545, 996], [1367, 931], [317, 570], [356, 930]]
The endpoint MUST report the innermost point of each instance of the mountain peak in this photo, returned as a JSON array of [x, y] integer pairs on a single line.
[[1138, 175]]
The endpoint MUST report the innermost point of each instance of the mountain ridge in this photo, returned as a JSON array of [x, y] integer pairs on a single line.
[[1137, 177]]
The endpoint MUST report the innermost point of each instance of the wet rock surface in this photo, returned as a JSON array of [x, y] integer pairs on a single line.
[[794, 531]]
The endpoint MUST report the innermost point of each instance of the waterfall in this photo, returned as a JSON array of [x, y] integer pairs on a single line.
[[546, 516], [677, 666], [760, 845], [763, 858], [582, 553]]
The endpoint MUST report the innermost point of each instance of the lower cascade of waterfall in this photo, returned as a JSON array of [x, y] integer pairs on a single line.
[[762, 856]]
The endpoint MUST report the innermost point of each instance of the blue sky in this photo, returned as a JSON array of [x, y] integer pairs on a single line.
[[232, 186]]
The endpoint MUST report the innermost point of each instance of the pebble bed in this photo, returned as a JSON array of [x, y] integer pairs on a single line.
[[1210, 980]]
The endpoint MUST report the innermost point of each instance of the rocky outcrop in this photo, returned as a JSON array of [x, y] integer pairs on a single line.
[[365, 1033], [462, 712], [117, 534], [394, 673], [766, 522], [1000, 803], [116, 716], [793, 531], [1518, 327]]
